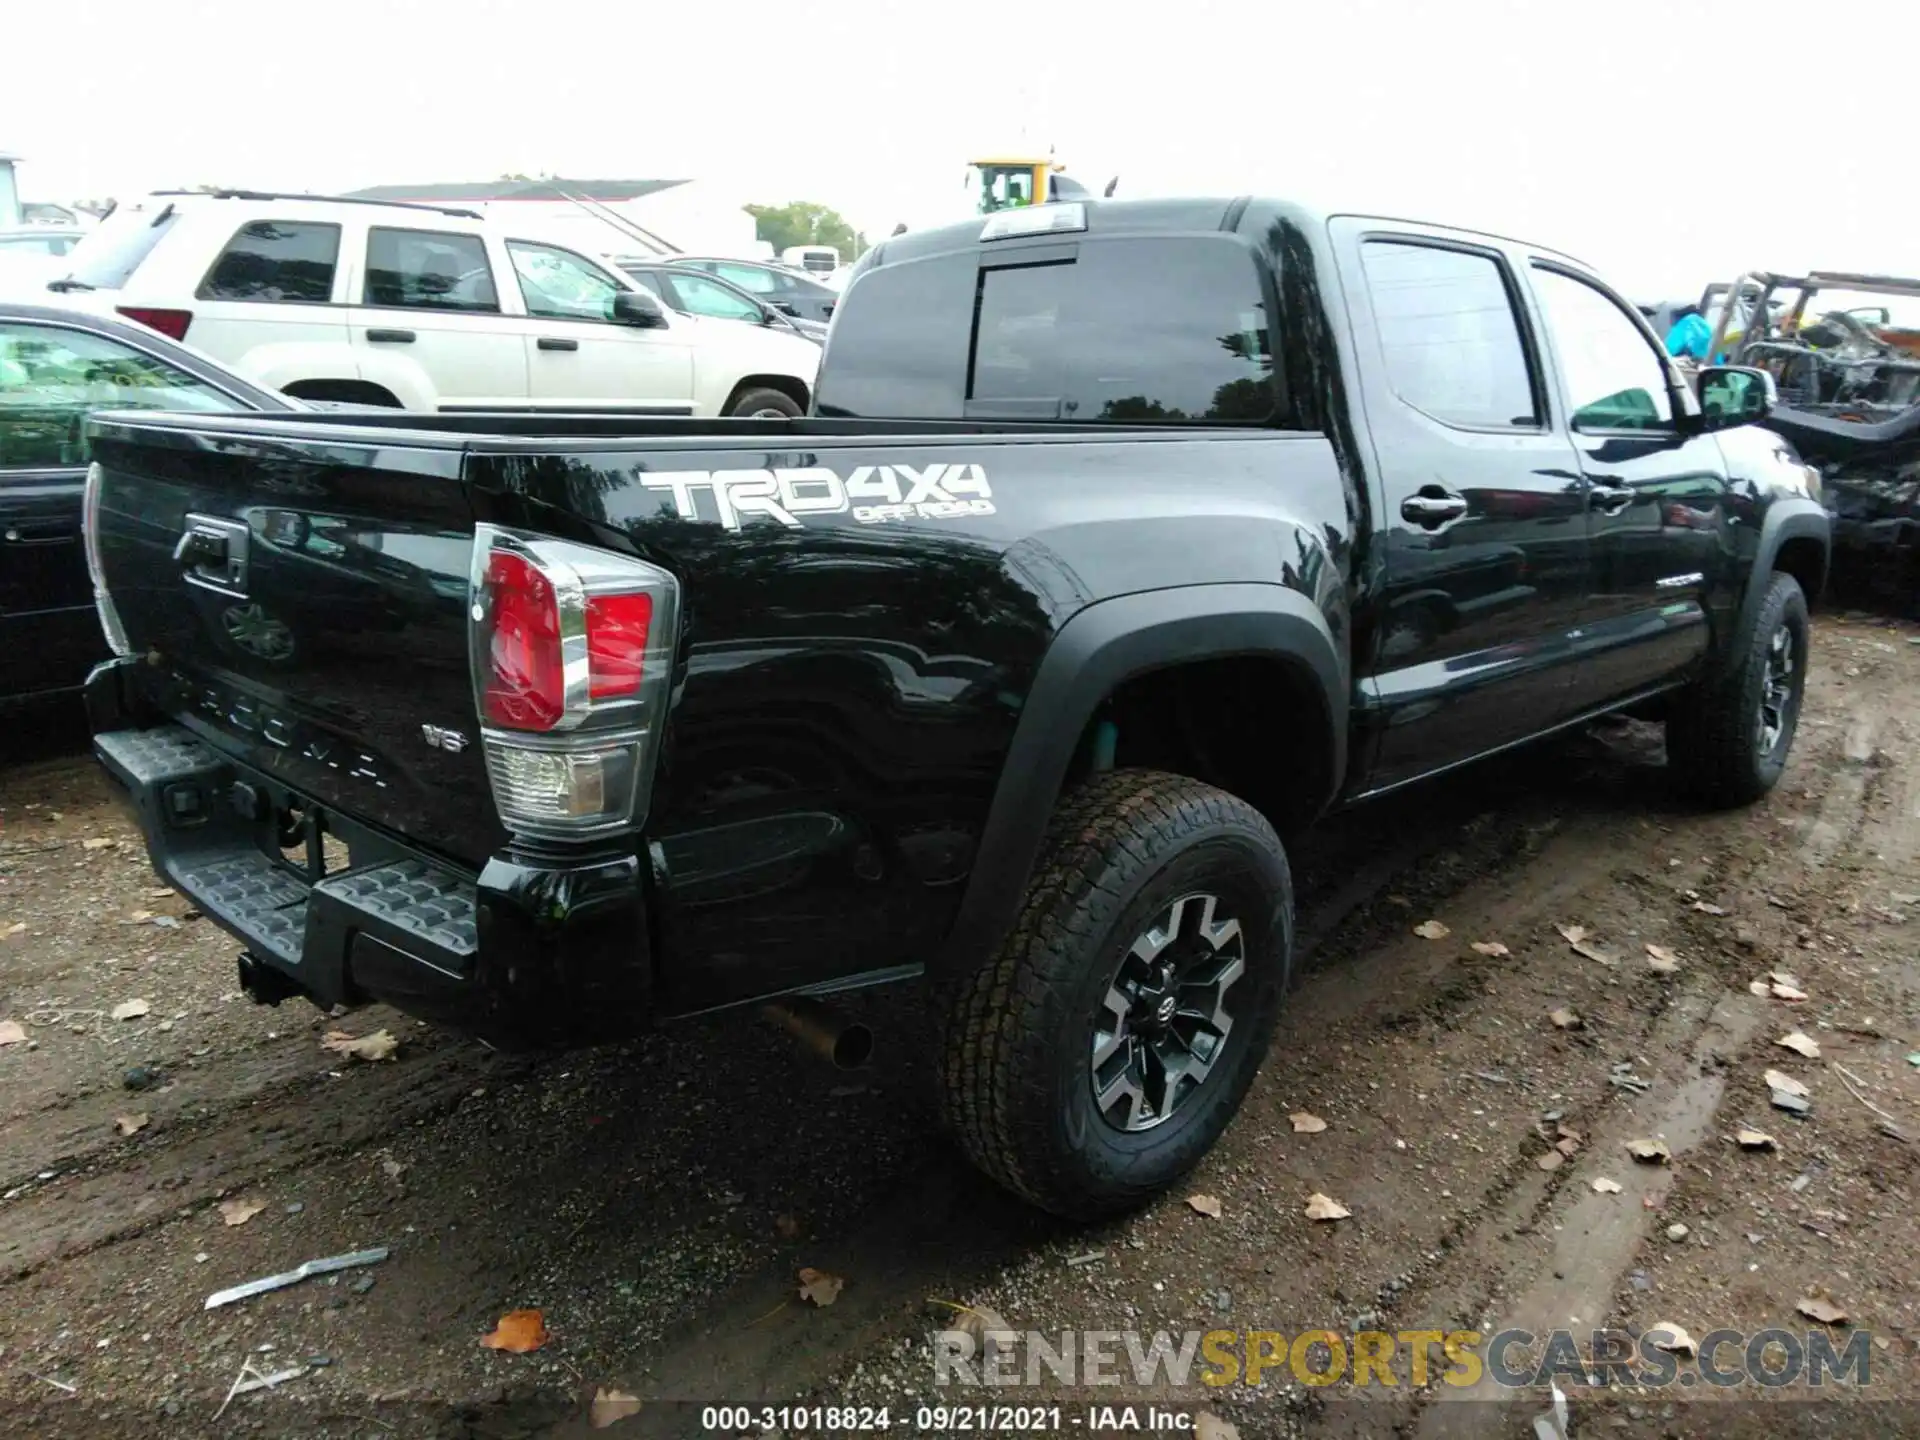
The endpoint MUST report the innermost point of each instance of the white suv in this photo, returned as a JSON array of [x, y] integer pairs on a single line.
[[423, 308]]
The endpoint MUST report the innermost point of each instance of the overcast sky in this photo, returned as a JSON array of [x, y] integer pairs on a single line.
[[1629, 133]]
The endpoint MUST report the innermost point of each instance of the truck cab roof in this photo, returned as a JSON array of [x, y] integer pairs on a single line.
[[1248, 215]]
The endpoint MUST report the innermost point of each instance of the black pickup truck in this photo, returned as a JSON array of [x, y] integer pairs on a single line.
[[1126, 540]]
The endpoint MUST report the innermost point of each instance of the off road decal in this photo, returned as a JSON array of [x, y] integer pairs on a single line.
[[872, 494]]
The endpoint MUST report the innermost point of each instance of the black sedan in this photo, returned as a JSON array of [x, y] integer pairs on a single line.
[[786, 290], [694, 292], [56, 366]]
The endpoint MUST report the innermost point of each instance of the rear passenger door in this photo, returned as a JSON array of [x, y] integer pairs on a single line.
[[1656, 498], [51, 377], [430, 303], [1479, 570], [269, 291]]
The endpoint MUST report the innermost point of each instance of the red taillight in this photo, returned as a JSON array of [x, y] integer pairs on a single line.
[[617, 643], [572, 652], [526, 677], [170, 323]]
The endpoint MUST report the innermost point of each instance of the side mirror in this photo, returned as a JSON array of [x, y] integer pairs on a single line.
[[1734, 395], [638, 308]]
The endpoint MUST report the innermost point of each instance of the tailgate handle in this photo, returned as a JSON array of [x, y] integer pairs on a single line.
[[199, 548], [212, 551], [390, 337]]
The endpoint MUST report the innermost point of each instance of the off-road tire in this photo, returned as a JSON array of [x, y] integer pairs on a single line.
[[1714, 754], [772, 402], [1014, 1034]]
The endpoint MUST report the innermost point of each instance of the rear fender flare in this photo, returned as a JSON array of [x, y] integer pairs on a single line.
[[280, 365], [1097, 650]]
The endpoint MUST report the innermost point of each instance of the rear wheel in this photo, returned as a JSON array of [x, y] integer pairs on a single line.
[[1098, 1055], [765, 405], [1728, 736]]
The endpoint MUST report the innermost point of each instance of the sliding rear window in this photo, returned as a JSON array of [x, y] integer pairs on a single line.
[[1124, 330]]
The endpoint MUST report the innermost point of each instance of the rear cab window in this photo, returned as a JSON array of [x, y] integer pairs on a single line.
[[284, 261], [429, 270], [107, 256], [1121, 329]]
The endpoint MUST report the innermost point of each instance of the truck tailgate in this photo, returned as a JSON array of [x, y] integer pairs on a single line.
[[305, 612]]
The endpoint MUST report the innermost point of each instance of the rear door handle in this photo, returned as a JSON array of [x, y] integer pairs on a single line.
[[1431, 507], [390, 337], [53, 533], [1609, 498], [554, 342]]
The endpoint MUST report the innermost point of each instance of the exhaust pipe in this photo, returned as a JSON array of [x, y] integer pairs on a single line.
[[822, 1031]]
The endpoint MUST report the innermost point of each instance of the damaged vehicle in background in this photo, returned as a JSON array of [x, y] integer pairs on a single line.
[[1844, 351]]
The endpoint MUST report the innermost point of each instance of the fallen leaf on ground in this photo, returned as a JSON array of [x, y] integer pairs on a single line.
[[1431, 930], [1206, 1205], [1325, 1207], [1784, 977], [1756, 1140], [129, 1010], [1780, 1080], [786, 1227], [1552, 1160], [1783, 991], [984, 1324], [1705, 909], [1491, 947], [139, 917], [820, 1287], [160, 894], [11, 1032], [238, 1212], [394, 1169], [380, 1045], [610, 1407], [1305, 1122], [1821, 1309], [1568, 1145], [1672, 1338], [99, 842], [1649, 1151], [19, 927], [1577, 936], [518, 1332], [1800, 1044], [1661, 960], [1760, 988], [1606, 1186], [130, 1124], [1564, 1019], [1209, 1426]]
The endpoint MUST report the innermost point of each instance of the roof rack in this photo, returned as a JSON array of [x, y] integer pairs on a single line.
[[224, 194]]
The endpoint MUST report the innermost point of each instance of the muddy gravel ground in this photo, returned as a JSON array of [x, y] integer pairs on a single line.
[[1480, 1078]]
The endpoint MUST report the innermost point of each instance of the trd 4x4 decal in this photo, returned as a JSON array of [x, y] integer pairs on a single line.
[[873, 494]]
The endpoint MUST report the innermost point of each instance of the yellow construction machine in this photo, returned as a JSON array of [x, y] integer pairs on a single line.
[[1005, 184]]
